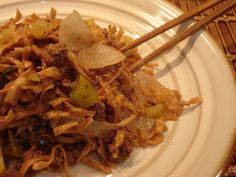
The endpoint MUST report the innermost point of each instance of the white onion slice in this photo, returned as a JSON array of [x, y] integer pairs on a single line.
[[99, 56], [75, 33], [142, 123], [97, 128], [150, 83]]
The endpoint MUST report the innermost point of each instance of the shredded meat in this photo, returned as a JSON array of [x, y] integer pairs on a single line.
[[55, 54], [124, 151]]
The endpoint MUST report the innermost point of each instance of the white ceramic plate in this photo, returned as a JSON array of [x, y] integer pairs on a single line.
[[196, 145]]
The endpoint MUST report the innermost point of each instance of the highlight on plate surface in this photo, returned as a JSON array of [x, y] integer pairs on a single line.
[[67, 95]]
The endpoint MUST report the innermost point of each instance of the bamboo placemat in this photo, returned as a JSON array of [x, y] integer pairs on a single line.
[[223, 30]]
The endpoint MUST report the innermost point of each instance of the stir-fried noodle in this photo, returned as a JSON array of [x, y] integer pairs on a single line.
[[66, 93]]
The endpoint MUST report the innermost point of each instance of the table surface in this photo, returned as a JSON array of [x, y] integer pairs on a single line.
[[223, 30]]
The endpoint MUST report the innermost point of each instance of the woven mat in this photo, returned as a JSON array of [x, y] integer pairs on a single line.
[[223, 30]]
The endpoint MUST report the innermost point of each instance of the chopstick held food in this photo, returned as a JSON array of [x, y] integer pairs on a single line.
[[67, 93]]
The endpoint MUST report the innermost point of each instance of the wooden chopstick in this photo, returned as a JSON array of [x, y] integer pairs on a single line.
[[184, 34], [180, 19]]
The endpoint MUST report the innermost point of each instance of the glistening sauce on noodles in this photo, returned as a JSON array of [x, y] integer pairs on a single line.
[[66, 92]]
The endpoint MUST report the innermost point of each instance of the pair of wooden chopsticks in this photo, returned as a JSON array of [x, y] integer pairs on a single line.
[[227, 5]]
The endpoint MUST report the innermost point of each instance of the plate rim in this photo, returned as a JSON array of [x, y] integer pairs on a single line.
[[207, 37], [214, 44]]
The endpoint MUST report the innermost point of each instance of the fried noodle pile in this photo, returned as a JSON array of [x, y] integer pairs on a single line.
[[66, 93]]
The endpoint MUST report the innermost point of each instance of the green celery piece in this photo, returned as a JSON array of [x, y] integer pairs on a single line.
[[83, 93], [155, 111]]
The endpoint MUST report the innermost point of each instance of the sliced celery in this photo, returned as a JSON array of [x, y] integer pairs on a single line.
[[154, 112], [40, 29], [5, 37], [84, 93]]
